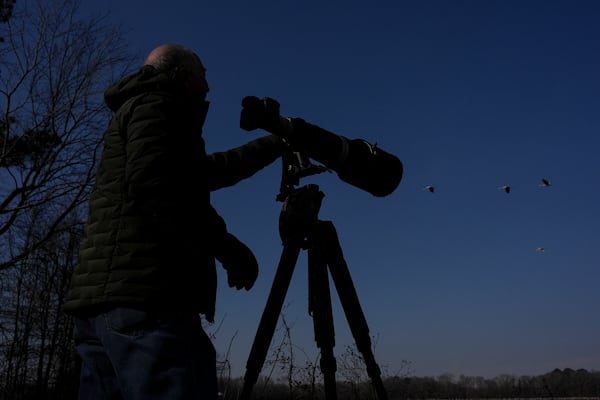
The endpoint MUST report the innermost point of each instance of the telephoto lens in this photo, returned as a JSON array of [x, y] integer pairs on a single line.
[[356, 161]]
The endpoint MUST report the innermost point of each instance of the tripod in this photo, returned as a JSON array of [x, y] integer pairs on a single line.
[[300, 228]]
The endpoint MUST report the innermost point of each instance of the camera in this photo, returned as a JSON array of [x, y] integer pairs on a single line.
[[356, 161]]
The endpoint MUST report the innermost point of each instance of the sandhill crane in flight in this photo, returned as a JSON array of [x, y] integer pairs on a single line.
[[545, 183], [429, 187], [506, 188]]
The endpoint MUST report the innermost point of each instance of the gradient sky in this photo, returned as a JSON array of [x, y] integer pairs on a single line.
[[471, 95]]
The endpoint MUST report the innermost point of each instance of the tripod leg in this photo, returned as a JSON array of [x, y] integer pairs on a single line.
[[319, 307], [351, 305], [268, 321]]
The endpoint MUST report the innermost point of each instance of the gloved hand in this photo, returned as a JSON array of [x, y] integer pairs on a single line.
[[264, 113], [239, 262]]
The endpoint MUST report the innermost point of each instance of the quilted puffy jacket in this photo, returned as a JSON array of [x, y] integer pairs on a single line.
[[151, 231]]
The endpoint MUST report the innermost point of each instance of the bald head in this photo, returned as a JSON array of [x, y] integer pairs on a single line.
[[175, 57]]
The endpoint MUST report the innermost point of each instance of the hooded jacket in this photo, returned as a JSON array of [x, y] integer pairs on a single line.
[[151, 234]]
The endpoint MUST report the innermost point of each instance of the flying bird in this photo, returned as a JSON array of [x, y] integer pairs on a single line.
[[506, 188], [545, 183], [540, 249], [429, 187]]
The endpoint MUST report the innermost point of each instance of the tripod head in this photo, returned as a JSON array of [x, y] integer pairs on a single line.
[[295, 165], [301, 205]]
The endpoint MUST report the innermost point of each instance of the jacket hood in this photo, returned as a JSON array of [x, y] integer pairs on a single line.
[[145, 80]]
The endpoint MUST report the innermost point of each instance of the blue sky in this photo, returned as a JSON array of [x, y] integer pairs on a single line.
[[471, 95]]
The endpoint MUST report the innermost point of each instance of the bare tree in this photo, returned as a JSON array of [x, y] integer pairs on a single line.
[[37, 350], [54, 68], [55, 64]]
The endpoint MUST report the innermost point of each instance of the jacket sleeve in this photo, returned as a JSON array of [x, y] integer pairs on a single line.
[[217, 224], [226, 168]]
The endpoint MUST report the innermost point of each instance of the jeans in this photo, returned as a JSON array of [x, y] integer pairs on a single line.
[[129, 354]]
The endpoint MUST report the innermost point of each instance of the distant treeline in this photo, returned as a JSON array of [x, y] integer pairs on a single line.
[[566, 383], [554, 384], [558, 384]]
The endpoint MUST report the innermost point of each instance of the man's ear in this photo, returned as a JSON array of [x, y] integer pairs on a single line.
[[183, 73], [179, 73]]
